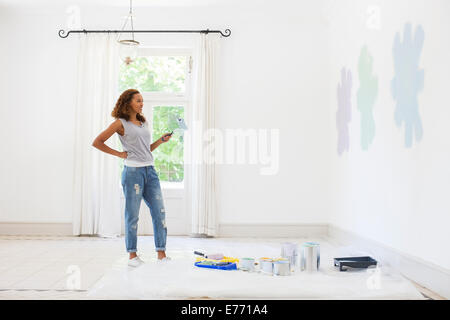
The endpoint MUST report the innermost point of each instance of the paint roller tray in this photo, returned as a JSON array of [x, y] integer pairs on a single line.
[[229, 266], [354, 262]]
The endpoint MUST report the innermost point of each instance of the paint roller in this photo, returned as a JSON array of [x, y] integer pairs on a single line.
[[213, 256], [179, 122]]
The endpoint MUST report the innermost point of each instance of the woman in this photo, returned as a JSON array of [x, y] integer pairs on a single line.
[[139, 178]]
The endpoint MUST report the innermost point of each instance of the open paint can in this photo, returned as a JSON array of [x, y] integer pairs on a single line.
[[266, 265], [247, 264], [310, 256], [281, 268], [289, 251]]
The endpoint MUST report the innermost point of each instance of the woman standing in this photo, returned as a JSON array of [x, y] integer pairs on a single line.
[[139, 178]]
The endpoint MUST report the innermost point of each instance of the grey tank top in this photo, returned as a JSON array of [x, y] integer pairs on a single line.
[[136, 142]]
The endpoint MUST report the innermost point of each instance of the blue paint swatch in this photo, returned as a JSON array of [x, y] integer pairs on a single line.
[[408, 81]]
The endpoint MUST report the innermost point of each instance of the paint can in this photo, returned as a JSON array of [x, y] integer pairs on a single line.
[[280, 259], [247, 264], [310, 256], [266, 265], [281, 268], [289, 251]]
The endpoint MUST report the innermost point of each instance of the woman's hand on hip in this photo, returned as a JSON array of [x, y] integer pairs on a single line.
[[123, 155]]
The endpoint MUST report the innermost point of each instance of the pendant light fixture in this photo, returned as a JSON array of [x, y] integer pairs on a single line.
[[128, 48]]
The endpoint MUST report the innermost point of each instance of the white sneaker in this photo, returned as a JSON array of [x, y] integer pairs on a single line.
[[135, 262], [164, 259]]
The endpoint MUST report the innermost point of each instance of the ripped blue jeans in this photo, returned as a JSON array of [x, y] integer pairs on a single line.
[[138, 183]]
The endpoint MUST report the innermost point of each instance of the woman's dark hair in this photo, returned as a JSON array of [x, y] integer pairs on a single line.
[[122, 108]]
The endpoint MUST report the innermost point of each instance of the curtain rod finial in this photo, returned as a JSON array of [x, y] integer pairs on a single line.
[[227, 33], [61, 34]]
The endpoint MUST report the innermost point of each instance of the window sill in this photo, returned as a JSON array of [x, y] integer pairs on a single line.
[[172, 185], [173, 190]]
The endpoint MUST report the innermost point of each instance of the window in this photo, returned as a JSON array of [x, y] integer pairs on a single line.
[[169, 156], [163, 78], [154, 74]]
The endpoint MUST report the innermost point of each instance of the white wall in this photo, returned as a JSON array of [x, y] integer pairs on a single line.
[[37, 105], [392, 194], [273, 76]]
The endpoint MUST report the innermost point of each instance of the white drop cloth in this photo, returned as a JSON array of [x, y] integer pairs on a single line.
[[180, 279]]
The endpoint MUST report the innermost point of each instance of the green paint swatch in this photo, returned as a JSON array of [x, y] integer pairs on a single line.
[[366, 96]]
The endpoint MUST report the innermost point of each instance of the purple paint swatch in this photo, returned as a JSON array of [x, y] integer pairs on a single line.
[[344, 112]]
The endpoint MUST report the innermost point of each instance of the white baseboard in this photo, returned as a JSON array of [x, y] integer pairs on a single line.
[[41, 229], [273, 230], [418, 270], [50, 229], [225, 230]]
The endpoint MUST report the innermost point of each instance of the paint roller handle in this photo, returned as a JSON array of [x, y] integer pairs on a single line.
[[165, 137], [199, 253]]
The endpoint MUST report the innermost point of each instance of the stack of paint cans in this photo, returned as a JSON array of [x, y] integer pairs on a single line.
[[289, 251], [310, 256]]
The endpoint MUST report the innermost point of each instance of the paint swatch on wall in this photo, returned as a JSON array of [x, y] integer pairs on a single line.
[[408, 81], [366, 96], [344, 112]]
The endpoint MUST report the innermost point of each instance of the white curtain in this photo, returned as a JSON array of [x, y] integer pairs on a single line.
[[97, 189], [203, 169]]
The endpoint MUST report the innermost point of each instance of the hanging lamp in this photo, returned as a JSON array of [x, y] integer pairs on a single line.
[[128, 49]]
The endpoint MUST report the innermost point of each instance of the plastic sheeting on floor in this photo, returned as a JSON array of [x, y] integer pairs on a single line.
[[180, 279]]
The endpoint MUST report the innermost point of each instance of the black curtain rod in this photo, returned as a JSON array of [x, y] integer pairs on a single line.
[[226, 34]]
